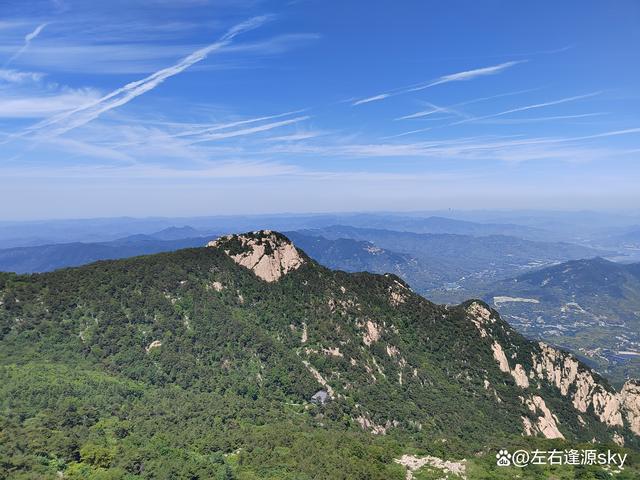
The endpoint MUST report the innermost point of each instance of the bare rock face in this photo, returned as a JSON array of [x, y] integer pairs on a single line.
[[480, 316], [398, 293], [546, 423], [413, 463], [152, 345], [630, 400], [586, 391], [612, 408], [562, 370], [268, 254]]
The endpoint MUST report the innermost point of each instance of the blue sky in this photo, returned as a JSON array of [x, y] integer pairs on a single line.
[[201, 107]]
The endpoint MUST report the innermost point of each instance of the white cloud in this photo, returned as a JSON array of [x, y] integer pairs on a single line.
[[528, 107], [11, 24], [375, 98], [62, 123], [123, 54], [435, 109], [237, 123], [248, 131], [613, 133], [15, 76], [510, 121], [296, 137], [509, 149], [422, 113], [83, 149], [27, 41], [91, 58], [454, 77], [468, 75], [468, 119], [225, 169], [43, 105], [410, 132]]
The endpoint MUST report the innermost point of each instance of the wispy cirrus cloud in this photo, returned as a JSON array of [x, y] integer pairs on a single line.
[[529, 107], [129, 55], [11, 24], [247, 131], [433, 109], [454, 77], [451, 108], [500, 114], [468, 75], [550, 118], [43, 104], [296, 137], [613, 133], [375, 98], [64, 122], [506, 149], [15, 76], [237, 123], [27, 41], [223, 169], [198, 134]]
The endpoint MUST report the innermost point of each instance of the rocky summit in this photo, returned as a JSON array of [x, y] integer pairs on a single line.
[[267, 254], [247, 359]]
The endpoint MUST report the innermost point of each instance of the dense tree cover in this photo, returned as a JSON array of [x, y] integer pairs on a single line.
[[185, 365]]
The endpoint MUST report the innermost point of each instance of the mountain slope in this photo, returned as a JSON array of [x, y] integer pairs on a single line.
[[203, 362], [591, 306]]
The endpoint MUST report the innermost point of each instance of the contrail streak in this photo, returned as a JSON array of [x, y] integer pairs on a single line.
[[27, 41], [64, 122]]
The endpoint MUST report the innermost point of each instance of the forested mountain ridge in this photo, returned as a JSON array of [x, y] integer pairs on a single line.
[[201, 363]]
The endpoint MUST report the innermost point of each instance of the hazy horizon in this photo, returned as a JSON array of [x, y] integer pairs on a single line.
[[117, 108], [457, 213]]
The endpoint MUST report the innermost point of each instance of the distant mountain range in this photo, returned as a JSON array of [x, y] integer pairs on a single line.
[[630, 238], [24, 234], [363, 256], [460, 265], [590, 306], [44, 258], [444, 267], [436, 224]]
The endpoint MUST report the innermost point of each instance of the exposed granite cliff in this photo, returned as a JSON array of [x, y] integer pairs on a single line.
[[268, 254], [542, 366]]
